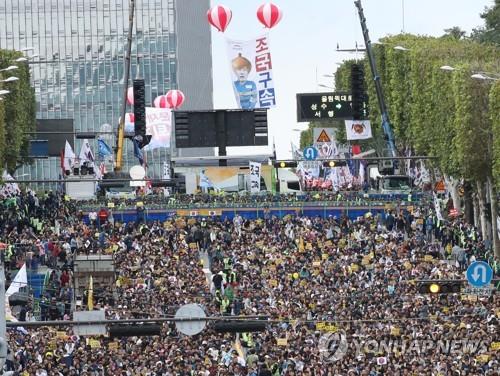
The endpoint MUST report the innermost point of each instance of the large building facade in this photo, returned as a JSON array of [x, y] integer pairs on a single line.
[[79, 71]]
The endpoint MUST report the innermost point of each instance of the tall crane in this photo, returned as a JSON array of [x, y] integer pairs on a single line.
[[121, 126], [389, 182]]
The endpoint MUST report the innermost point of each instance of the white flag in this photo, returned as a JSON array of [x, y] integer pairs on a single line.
[[86, 154], [20, 280], [8, 189], [358, 129], [255, 173], [69, 157], [166, 170]]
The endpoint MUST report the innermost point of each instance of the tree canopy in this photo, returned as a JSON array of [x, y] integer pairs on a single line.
[[17, 112]]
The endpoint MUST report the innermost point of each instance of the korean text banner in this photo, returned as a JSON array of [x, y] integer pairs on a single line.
[[255, 171], [252, 73], [159, 126], [358, 129]]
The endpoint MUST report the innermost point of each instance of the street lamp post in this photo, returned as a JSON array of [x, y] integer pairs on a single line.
[[478, 75]]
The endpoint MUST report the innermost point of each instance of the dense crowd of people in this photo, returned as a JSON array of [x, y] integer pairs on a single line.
[[317, 281], [159, 200]]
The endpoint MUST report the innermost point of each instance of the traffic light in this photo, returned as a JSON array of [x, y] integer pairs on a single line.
[[285, 164], [358, 91], [439, 287], [140, 113], [134, 330], [331, 164], [239, 326]]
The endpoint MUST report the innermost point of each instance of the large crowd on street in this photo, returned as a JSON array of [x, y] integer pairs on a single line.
[[330, 290]]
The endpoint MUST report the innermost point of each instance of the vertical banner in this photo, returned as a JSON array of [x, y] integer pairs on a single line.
[[252, 73], [255, 168], [166, 176], [159, 127]]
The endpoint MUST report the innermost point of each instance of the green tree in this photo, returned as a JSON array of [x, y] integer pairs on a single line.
[[454, 32], [490, 32], [17, 113], [494, 111]]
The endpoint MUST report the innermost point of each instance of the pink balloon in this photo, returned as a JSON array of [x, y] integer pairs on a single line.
[[129, 122], [130, 96], [161, 102], [175, 99], [219, 17], [269, 15]]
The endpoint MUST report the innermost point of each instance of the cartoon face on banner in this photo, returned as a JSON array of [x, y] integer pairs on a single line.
[[251, 70]]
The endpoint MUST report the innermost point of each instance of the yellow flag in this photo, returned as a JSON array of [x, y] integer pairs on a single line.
[[90, 302], [301, 245]]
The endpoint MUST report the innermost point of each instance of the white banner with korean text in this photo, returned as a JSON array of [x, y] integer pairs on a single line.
[[255, 172], [252, 73], [159, 126]]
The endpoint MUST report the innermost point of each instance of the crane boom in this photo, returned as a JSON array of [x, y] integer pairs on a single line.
[[121, 126], [386, 125]]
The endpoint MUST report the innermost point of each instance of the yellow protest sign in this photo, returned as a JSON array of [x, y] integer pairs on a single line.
[[320, 325], [428, 258], [193, 245], [309, 246], [324, 256], [365, 261], [395, 331], [328, 243], [317, 264], [326, 327], [330, 328], [495, 346], [139, 204], [301, 244], [483, 358], [61, 334], [282, 342], [273, 283], [407, 265], [354, 267], [94, 344], [113, 345]]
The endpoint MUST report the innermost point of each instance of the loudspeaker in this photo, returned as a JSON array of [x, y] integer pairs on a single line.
[[140, 107]]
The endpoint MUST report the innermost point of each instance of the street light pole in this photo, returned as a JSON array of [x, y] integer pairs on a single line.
[[3, 329]]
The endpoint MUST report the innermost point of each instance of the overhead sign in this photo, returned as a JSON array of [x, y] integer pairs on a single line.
[[310, 153], [479, 274], [322, 135], [358, 129], [324, 106]]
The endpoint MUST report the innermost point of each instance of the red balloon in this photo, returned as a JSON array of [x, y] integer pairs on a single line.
[[269, 15], [130, 96], [175, 99], [161, 102], [219, 17]]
